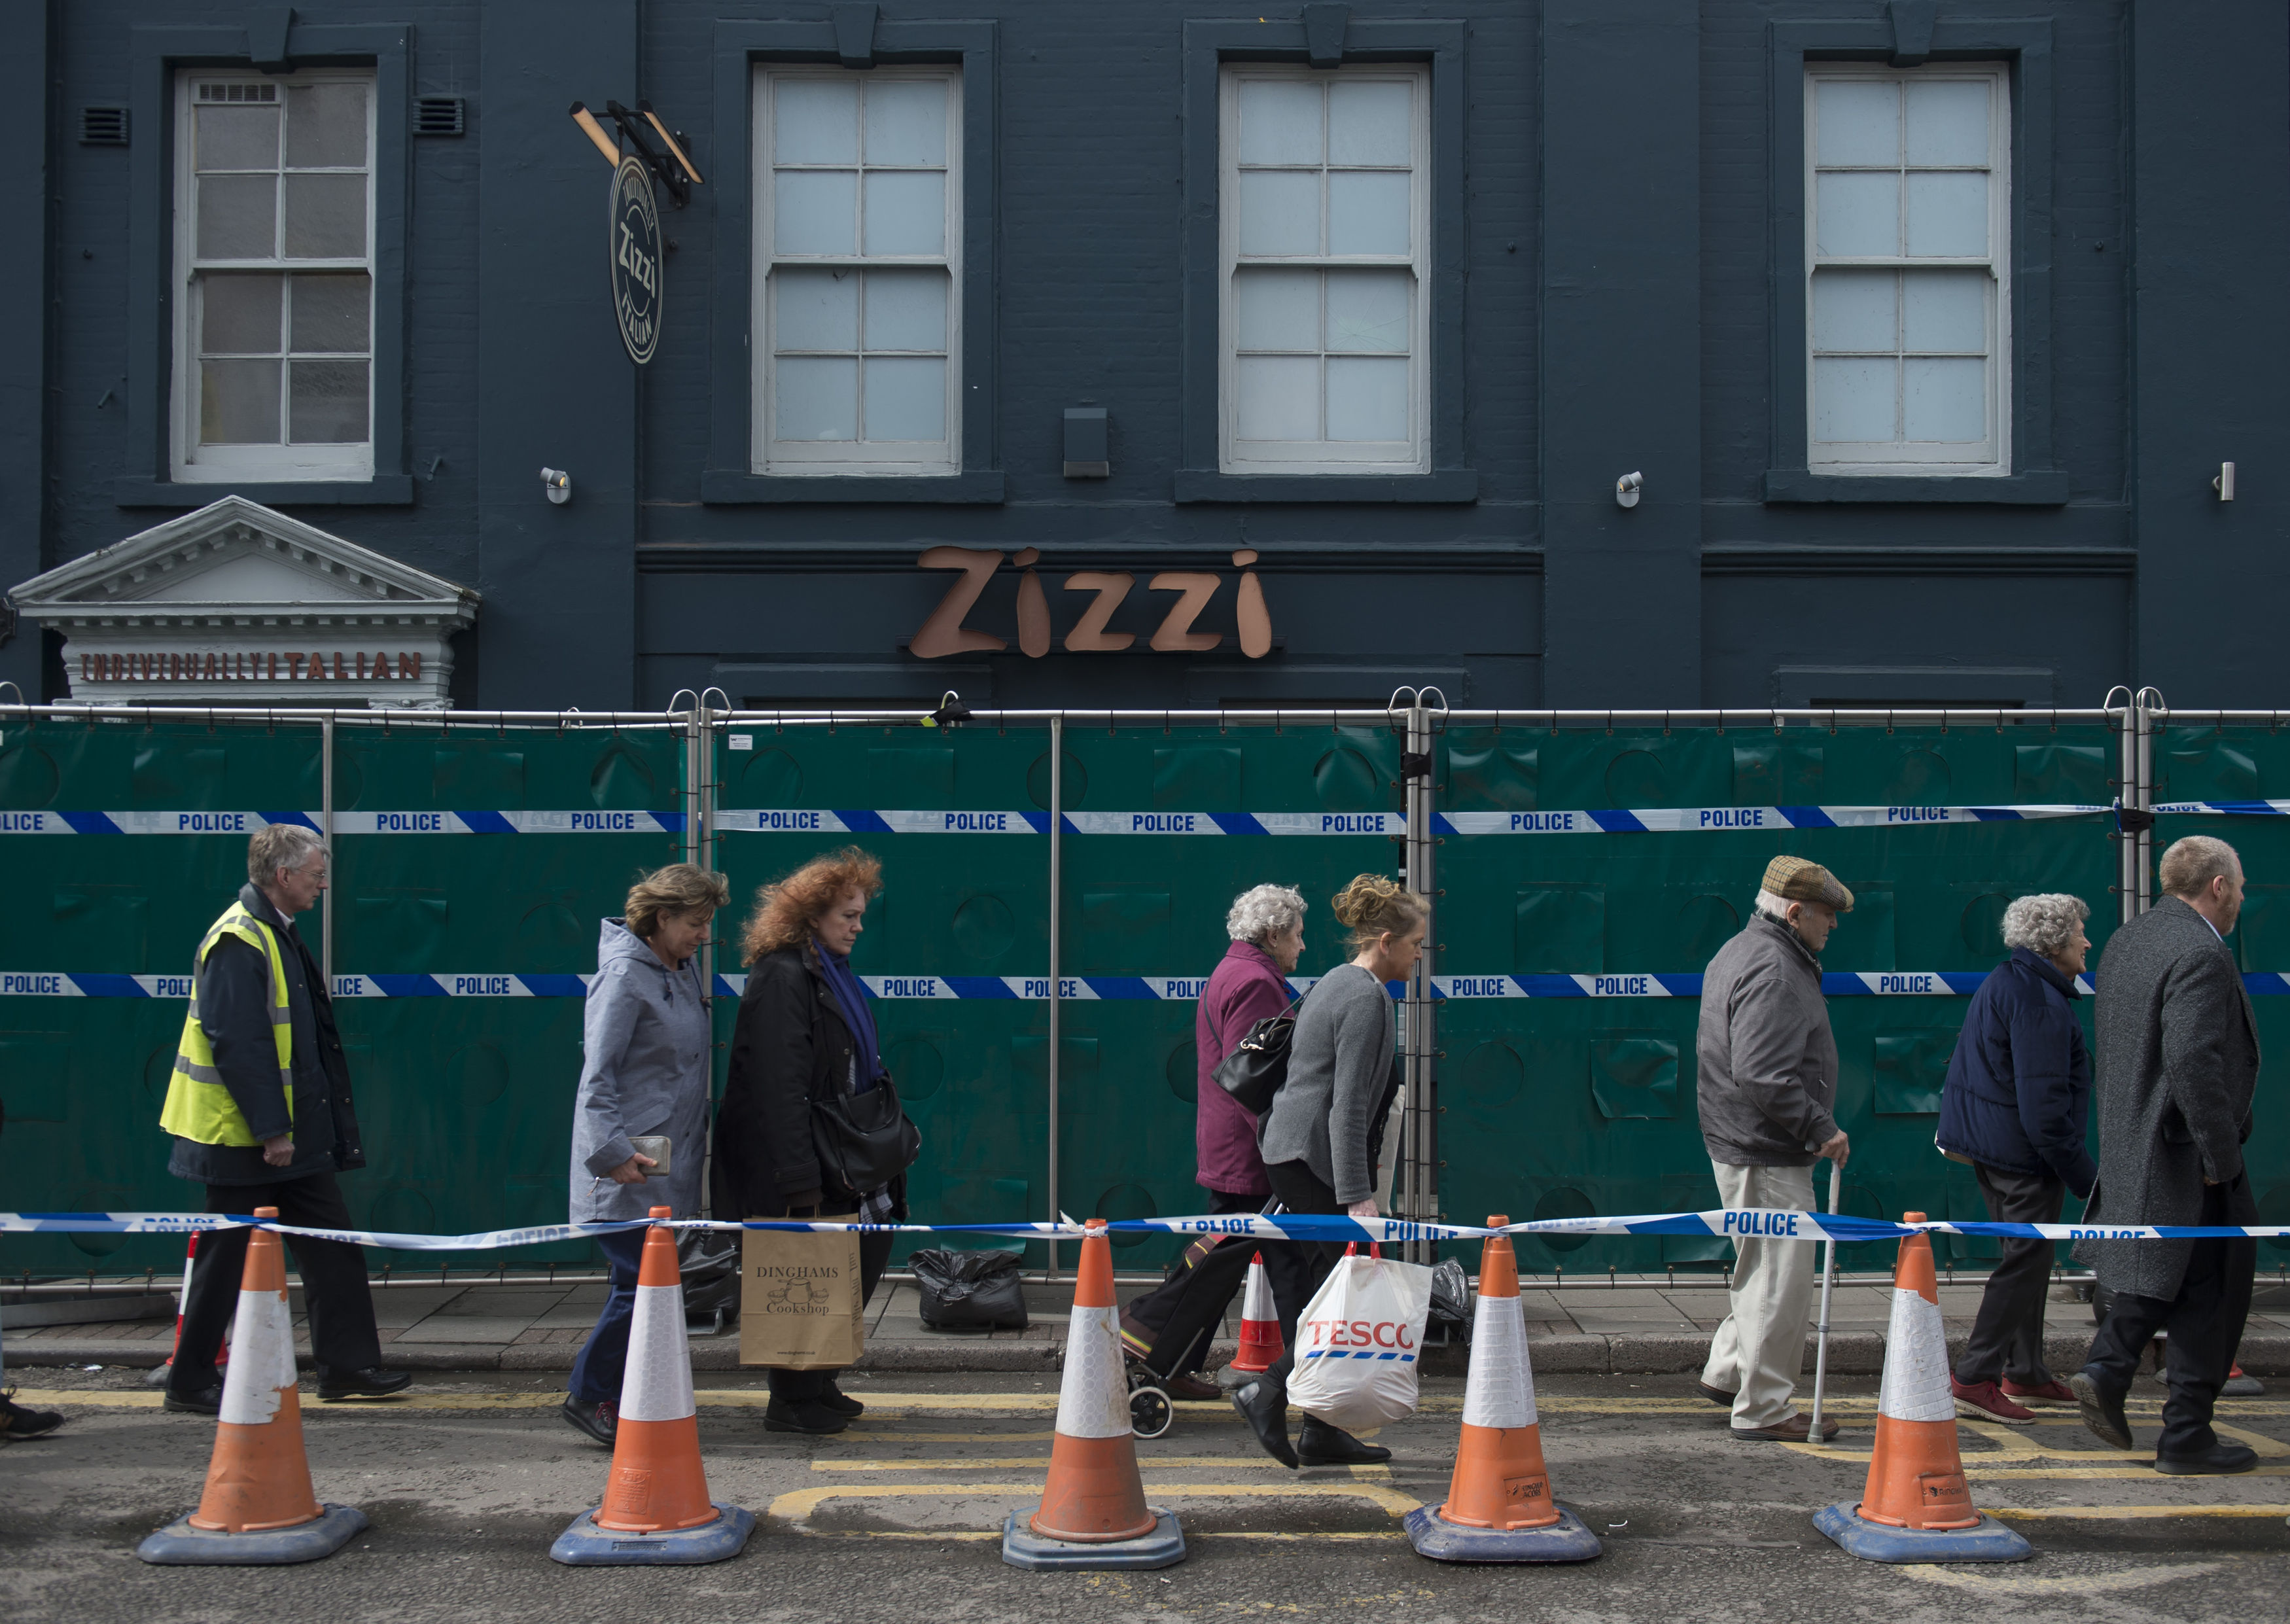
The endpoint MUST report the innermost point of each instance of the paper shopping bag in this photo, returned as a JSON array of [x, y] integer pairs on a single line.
[[799, 1303]]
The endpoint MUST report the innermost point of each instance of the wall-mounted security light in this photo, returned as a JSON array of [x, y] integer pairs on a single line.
[[2224, 483], [558, 485], [1626, 489], [1086, 453]]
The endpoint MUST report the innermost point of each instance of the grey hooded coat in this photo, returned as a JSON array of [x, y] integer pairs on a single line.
[[644, 1044]]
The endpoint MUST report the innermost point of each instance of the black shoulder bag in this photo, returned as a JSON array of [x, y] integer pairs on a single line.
[[863, 1141], [1258, 1065]]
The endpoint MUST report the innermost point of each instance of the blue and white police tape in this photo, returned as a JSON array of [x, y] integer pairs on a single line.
[[587, 821], [1723, 1222], [789, 820]]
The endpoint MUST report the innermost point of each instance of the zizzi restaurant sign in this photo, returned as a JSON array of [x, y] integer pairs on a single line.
[[947, 630], [258, 666]]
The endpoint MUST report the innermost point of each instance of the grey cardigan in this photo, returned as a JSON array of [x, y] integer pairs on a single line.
[[1339, 1081], [1766, 1058], [644, 1070]]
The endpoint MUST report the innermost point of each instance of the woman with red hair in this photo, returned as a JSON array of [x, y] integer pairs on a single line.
[[805, 1034]]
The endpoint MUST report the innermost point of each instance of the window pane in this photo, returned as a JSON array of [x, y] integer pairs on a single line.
[[326, 217], [1857, 121], [814, 121], [814, 213], [1279, 121], [1276, 309], [1945, 309], [1857, 214], [238, 312], [329, 401], [1368, 310], [906, 121], [332, 313], [1277, 397], [906, 309], [906, 397], [1948, 122], [1279, 213], [1946, 401], [237, 217], [815, 398], [1368, 122], [1367, 212], [1367, 400], [1948, 214], [234, 138], [1855, 310], [906, 212], [816, 309], [326, 127], [1853, 400], [238, 402]]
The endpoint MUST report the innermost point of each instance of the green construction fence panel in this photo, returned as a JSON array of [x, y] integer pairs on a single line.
[[1563, 1106]]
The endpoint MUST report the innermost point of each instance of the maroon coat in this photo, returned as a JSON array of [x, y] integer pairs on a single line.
[[1246, 986]]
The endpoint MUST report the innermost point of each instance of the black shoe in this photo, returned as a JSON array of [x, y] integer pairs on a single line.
[[780, 1416], [200, 1401], [1264, 1404], [2103, 1410], [1716, 1395], [834, 1398], [2217, 1460], [373, 1382], [1317, 1443], [601, 1420], [17, 1422]]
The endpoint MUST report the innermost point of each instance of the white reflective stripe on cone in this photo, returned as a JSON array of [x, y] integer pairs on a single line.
[[1094, 1398], [1916, 1387], [1500, 1392], [657, 1385], [1257, 1303], [263, 1359]]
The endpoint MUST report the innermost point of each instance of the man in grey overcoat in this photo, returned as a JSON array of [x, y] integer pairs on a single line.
[[2177, 1062]]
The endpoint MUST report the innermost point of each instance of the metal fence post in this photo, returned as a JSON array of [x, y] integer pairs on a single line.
[[326, 830], [1419, 1139], [1057, 987], [2143, 706]]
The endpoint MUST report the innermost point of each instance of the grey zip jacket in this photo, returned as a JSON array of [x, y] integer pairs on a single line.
[[643, 1037], [1766, 1059]]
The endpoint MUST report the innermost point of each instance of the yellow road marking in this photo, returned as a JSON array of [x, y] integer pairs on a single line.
[[2267, 1448], [796, 1505], [2130, 1512], [2010, 1469], [2056, 1584], [965, 1463]]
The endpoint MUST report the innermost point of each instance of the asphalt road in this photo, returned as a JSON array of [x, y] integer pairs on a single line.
[[469, 1481]]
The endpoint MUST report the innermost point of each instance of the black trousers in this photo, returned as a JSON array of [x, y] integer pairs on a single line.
[[2007, 1336], [342, 1337], [803, 1387], [1300, 1190], [1170, 1328], [2205, 1326]]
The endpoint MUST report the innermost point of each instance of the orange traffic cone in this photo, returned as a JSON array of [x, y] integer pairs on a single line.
[[1499, 1507], [258, 1508], [1259, 1321], [1093, 1513], [656, 1508], [157, 1378], [1915, 1507]]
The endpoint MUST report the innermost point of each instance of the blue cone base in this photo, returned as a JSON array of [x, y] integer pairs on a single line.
[[179, 1544], [1023, 1547], [1990, 1542], [1567, 1540], [584, 1545]]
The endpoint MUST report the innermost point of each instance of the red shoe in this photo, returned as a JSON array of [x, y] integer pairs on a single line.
[[2053, 1392], [1984, 1401]]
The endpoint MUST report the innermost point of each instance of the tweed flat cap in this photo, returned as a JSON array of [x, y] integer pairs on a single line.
[[1799, 880]]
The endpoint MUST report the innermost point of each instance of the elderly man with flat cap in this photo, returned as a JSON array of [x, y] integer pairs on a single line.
[[1768, 1095]]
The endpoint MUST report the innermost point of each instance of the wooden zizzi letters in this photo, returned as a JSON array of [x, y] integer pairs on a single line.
[[945, 633]]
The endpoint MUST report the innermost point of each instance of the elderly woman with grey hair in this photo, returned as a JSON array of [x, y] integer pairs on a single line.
[[2014, 1106], [1168, 1330]]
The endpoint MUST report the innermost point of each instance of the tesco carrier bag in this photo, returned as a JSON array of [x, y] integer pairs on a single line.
[[1359, 1343]]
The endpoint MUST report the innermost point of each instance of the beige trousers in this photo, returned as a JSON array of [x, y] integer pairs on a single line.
[[1758, 1351]]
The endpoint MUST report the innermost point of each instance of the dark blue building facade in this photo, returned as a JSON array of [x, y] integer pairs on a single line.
[[1921, 330]]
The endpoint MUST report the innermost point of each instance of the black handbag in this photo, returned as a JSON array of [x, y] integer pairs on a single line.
[[863, 1141], [1258, 1065]]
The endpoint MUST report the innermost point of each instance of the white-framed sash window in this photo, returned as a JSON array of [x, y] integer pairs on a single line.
[[1908, 258], [859, 239], [1324, 221], [273, 376]]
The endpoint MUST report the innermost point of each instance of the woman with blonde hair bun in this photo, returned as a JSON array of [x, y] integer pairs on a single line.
[[1322, 1134]]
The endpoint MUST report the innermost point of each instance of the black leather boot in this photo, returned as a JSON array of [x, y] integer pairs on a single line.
[[1264, 1404], [1317, 1443]]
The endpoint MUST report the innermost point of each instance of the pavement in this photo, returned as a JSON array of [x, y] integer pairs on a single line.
[[1632, 1326], [468, 1480]]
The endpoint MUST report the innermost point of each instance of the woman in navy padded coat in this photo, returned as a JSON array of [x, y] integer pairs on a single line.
[[2016, 1107]]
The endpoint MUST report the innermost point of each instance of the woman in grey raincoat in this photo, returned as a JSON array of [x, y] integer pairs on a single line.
[[644, 1040]]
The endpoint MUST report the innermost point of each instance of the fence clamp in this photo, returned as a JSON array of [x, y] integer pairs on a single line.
[[1415, 764]]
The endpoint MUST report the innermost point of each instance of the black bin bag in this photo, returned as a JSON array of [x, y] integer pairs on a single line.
[[970, 1291]]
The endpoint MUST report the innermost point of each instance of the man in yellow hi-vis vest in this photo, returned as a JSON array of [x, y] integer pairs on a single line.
[[259, 1106]]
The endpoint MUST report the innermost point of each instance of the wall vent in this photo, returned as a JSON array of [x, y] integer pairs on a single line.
[[237, 92], [438, 116], [103, 126]]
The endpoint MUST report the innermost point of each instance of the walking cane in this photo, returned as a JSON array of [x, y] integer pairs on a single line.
[[1821, 1336]]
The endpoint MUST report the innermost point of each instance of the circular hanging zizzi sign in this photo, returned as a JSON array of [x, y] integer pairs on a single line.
[[636, 260]]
